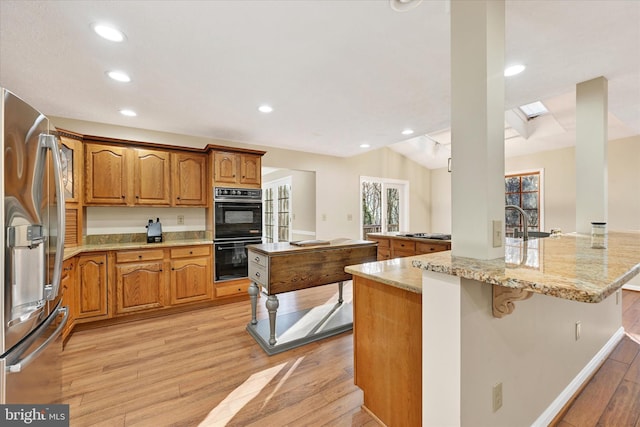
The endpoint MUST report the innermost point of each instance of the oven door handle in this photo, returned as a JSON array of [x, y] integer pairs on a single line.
[[222, 248]]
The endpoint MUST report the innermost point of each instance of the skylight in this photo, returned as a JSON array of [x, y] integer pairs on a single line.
[[534, 109]]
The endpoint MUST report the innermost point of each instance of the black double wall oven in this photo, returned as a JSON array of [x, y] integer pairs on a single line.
[[238, 222]]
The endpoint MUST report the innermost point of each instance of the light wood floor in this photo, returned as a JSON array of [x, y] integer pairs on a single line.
[[202, 368], [611, 398]]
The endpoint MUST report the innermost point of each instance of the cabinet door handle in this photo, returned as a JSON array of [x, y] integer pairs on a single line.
[[178, 197], [137, 197], [122, 196]]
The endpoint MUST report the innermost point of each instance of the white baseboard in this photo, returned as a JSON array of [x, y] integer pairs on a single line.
[[556, 406], [631, 287]]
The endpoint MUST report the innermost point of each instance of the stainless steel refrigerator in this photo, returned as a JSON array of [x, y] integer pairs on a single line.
[[33, 246]]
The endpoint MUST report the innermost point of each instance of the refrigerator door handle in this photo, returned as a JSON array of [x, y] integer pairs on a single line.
[[50, 142], [23, 363]]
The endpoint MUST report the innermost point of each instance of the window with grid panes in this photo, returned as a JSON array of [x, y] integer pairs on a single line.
[[522, 190]]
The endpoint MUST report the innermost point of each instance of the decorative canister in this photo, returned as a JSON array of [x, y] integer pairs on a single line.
[[599, 235]]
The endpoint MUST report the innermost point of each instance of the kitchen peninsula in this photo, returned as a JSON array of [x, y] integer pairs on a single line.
[[534, 351]]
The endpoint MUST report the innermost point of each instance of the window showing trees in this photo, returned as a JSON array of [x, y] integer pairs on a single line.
[[522, 190], [383, 204]]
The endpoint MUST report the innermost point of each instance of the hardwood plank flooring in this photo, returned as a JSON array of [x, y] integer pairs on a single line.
[[203, 368], [611, 398]]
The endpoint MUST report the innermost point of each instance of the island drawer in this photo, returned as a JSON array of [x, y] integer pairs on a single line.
[[259, 274], [143, 255], [258, 259]]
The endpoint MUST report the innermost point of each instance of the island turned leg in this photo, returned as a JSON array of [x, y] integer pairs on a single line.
[[253, 296], [272, 306], [340, 286]]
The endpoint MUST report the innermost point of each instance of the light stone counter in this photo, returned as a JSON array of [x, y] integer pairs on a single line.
[[398, 272], [118, 242], [565, 266]]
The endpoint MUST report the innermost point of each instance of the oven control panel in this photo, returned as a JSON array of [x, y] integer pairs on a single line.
[[227, 193]]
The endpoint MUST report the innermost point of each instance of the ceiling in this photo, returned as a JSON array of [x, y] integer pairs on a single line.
[[338, 73]]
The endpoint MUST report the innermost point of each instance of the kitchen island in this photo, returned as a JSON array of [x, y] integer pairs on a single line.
[[285, 267], [539, 351]]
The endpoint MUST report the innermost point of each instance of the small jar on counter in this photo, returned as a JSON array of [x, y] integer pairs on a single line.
[[599, 235]]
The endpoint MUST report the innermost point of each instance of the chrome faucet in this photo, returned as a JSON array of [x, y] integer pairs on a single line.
[[525, 220]]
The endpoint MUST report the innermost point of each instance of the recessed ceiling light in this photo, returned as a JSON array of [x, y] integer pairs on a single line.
[[108, 32], [365, 145], [119, 76], [265, 108], [407, 132], [128, 113], [513, 70]]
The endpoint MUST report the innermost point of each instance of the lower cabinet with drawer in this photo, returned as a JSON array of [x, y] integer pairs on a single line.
[[397, 246], [140, 280], [191, 277]]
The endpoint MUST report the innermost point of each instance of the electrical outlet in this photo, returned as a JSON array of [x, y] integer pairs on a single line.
[[497, 397], [324, 217], [497, 233], [618, 297], [349, 217], [180, 219], [578, 330]]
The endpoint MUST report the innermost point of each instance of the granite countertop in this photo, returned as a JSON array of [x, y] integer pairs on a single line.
[[128, 241], [398, 272], [570, 266], [564, 266]]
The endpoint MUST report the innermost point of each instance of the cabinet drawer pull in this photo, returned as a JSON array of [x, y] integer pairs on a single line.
[[139, 256], [257, 274], [190, 252], [257, 259]]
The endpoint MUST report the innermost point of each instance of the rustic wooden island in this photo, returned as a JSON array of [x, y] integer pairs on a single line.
[[284, 267]]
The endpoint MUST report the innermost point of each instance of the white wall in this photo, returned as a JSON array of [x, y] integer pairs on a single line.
[[560, 186], [532, 352], [337, 178]]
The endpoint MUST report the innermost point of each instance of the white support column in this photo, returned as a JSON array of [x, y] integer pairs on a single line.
[[477, 126], [591, 153]]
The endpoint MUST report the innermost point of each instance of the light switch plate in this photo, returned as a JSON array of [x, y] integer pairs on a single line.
[[497, 233]]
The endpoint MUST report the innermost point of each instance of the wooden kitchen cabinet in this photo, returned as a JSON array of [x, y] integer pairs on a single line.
[[233, 169], [91, 287], [430, 247], [384, 247], [67, 290], [191, 277], [390, 247], [189, 179], [107, 174], [151, 177], [250, 169], [140, 280], [126, 176]]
